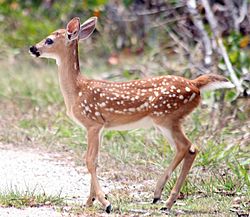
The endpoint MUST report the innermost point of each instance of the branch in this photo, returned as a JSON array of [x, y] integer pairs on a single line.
[[232, 10], [177, 40], [214, 26], [238, 15], [242, 12], [196, 18]]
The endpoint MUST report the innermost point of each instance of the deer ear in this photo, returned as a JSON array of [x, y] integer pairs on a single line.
[[72, 29], [87, 28]]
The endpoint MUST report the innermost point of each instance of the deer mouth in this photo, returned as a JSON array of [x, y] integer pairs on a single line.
[[34, 51]]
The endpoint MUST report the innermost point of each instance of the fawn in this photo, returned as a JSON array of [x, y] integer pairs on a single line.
[[161, 102]]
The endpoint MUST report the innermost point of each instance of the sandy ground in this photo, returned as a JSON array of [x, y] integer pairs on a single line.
[[31, 170]]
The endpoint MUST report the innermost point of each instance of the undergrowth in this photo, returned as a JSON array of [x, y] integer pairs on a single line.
[[32, 113], [29, 198]]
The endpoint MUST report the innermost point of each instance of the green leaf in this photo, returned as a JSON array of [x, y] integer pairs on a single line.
[[222, 66], [94, 4], [127, 3], [230, 95], [233, 56]]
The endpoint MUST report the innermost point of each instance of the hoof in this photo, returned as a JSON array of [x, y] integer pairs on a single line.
[[165, 210], [108, 208], [155, 200]]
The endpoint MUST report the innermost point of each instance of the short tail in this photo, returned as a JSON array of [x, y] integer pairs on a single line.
[[212, 82]]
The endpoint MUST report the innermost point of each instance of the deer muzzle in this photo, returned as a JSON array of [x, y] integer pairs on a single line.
[[34, 51]]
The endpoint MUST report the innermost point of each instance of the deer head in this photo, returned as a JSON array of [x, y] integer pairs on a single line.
[[57, 43]]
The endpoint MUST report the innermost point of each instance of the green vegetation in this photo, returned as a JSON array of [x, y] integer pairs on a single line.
[[33, 114], [15, 198]]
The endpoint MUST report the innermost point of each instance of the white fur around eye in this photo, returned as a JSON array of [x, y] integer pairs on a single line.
[[52, 37]]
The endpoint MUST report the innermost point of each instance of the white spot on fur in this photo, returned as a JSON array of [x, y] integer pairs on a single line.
[[151, 98], [146, 104], [87, 108], [131, 109], [156, 93], [187, 89], [192, 97], [103, 104]]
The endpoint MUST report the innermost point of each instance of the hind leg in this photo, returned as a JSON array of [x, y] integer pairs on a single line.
[[181, 148], [187, 164]]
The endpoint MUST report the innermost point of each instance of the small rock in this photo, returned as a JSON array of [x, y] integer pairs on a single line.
[[237, 200], [47, 203]]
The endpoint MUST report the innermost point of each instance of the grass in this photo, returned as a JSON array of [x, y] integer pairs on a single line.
[[15, 198], [208, 205], [32, 113]]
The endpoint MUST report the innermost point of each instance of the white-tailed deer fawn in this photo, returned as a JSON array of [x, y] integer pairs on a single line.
[[161, 102]]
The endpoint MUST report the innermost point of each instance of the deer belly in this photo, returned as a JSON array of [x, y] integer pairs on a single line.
[[145, 122]]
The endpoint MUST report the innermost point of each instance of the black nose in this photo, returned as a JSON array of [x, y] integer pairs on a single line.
[[34, 51]]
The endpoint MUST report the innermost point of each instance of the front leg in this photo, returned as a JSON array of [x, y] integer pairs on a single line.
[[94, 134]]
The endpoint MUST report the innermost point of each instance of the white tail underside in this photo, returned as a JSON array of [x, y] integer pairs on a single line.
[[217, 85]]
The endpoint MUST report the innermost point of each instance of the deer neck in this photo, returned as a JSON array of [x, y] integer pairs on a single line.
[[69, 73]]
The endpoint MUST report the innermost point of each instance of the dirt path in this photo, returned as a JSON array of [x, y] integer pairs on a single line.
[[33, 170]]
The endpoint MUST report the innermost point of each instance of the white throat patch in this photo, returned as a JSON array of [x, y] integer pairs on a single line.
[[52, 56]]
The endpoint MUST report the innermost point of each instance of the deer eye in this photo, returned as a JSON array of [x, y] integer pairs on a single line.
[[49, 41]]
